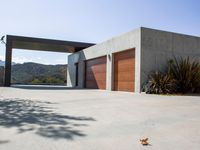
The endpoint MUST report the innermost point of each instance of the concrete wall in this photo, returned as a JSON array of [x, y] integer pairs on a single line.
[[157, 47], [117, 44], [153, 49]]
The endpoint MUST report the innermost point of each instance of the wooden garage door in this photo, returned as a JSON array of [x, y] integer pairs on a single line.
[[124, 70], [95, 76]]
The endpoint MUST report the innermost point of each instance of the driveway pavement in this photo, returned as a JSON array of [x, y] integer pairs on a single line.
[[59, 119]]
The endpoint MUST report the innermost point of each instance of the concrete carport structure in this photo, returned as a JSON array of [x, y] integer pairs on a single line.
[[39, 44], [124, 63]]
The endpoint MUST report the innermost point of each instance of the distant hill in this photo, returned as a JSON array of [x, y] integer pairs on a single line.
[[34, 73], [2, 63]]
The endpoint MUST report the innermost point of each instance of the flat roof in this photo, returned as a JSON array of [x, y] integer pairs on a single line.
[[40, 44]]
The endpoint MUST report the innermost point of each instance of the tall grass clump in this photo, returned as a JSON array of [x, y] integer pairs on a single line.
[[186, 72], [180, 76], [160, 83]]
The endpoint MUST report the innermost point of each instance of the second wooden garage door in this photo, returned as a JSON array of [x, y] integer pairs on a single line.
[[124, 70], [95, 73]]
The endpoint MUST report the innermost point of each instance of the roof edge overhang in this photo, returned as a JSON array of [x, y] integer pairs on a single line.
[[41, 44]]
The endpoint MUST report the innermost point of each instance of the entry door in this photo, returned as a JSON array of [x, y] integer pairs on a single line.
[[124, 71]]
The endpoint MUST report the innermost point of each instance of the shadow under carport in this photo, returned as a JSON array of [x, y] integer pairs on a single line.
[[44, 87]]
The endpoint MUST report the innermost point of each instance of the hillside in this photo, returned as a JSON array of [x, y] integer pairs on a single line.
[[33, 73], [2, 63]]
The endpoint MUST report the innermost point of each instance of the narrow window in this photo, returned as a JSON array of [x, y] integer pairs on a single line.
[[76, 65]]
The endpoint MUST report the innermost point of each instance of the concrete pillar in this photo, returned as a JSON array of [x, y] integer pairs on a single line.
[[8, 63], [109, 72], [81, 74]]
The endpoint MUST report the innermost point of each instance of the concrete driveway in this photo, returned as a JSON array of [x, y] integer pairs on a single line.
[[58, 119]]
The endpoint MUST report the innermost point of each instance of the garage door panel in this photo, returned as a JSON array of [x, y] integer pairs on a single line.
[[124, 70], [125, 55], [96, 68], [91, 84], [125, 63], [125, 86], [98, 61], [95, 85], [124, 76], [93, 62], [97, 76], [96, 73]]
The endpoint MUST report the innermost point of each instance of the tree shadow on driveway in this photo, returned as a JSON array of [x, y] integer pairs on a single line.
[[40, 118]]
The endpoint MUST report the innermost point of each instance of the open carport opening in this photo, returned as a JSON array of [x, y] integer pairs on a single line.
[[38, 68], [38, 44]]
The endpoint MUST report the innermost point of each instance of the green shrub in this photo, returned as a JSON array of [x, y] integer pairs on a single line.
[[160, 83], [180, 76], [186, 72], [47, 80], [36, 81], [51, 80]]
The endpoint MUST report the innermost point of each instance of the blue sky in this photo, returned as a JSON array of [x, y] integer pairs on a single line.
[[91, 21]]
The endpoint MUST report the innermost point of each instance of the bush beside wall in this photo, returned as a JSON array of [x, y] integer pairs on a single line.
[[182, 76]]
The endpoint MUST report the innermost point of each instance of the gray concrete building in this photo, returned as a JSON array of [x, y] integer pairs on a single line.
[[123, 63]]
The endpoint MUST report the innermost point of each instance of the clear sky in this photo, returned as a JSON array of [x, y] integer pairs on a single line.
[[91, 21]]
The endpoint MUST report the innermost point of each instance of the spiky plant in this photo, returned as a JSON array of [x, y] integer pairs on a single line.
[[160, 83], [186, 72]]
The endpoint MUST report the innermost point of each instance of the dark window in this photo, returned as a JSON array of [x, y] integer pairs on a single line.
[[76, 65]]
